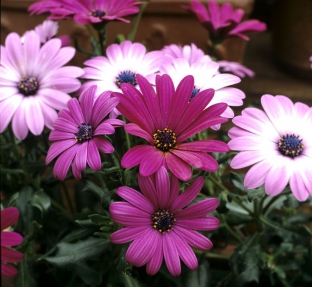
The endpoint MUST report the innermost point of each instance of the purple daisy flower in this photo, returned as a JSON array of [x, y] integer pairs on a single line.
[[166, 119], [278, 145], [33, 83], [159, 225], [121, 65], [78, 134], [86, 11], [206, 76], [188, 52], [235, 68]]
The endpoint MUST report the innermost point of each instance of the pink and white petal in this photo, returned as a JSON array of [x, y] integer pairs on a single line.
[[7, 92], [11, 255], [207, 223], [171, 254], [193, 238], [9, 238], [19, 125], [135, 198], [142, 248], [64, 55], [257, 174], [93, 156], [135, 130], [58, 147], [127, 234], [104, 145], [15, 52], [223, 80], [153, 265], [151, 162], [297, 181], [185, 252], [9, 216], [178, 167], [188, 195], [247, 158], [135, 155], [49, 114], [162, 187], [278, 176], [31, 48], [7, 109], [54, 98], [33, 115], [66, 85], [8, 270], [198, 209], [148, 188], [252, 142], [62, 164]]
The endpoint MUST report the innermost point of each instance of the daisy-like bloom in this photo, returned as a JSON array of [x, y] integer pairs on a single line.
[[166, 119], [34, 83], [79, 132], [86, 11], [235, 68], [188, 52], [224, 21], [278, 145], [8, 238], [206, 76], [121, 65], [159, 225]]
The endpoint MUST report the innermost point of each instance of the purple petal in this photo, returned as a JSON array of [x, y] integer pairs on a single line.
[[171, 254], [57, 148], [151, 162], [127, 234], [174, 189], [81, 156], [9, 216], [162, 187], [135, 130], [188, 195], [206, 223], [76, 113], [8, 270], [103, 145], [104, 129], [93, 156], [178, 167], [9, 238], [86, 101], [205, 146], [135, 198], [148, 189], [10, 255], [135, 155], [188, 157], [153, 265]]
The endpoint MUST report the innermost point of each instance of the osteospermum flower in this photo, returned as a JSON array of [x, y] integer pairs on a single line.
[[166, 119], [235, 68], [8, 238], [278, 145], [34, 83], [224, 21], [86, 11], [207, 77], [188, 52], [78, 134], [159, 225]]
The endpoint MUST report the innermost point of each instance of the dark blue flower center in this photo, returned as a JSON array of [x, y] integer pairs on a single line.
[[290, 145], [126, 77], [165, 139], [163, 220], [98, 13], [28, 86], [84, 133], [194, 93]]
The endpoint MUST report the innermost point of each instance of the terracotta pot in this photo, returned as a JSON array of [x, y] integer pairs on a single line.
[[292, 36]]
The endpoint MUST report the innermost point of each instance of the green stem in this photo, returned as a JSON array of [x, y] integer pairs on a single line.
[[62, 210], [102, 40], [67, 197], [127, 136], [229, 229], [257, 212]]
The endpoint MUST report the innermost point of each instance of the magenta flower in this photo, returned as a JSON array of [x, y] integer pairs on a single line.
[[86, 11], [8, 238], [224, 21], [121, 65], [159, 225], [278, 145], [188, 52], [33, 83], [206, 76], [235, 68], [166, 119], [79, 132]]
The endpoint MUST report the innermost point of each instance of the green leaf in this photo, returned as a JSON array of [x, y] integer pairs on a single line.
[[256, 193], [237, 180], [41, 200], [245, 262], [129, 281], [24, 277], [87, 274], [98, 219], [85, 223], [73, 253], [91, 186], [234, 218], [13, 199], [199, 276]]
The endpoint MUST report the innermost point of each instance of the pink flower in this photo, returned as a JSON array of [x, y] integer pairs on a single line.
[[224, 21], [277, 142], [86, 11], [78, 134], [235, 68], [206, 76], [166, 119], [311, 61], [8, 238], [34, 83], [121, 65], [159, 225], [188, 52]]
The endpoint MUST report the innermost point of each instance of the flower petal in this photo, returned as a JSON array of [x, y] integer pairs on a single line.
[[171, 254], [9, 216], [11, 255], [9, 238], [127, 234]]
